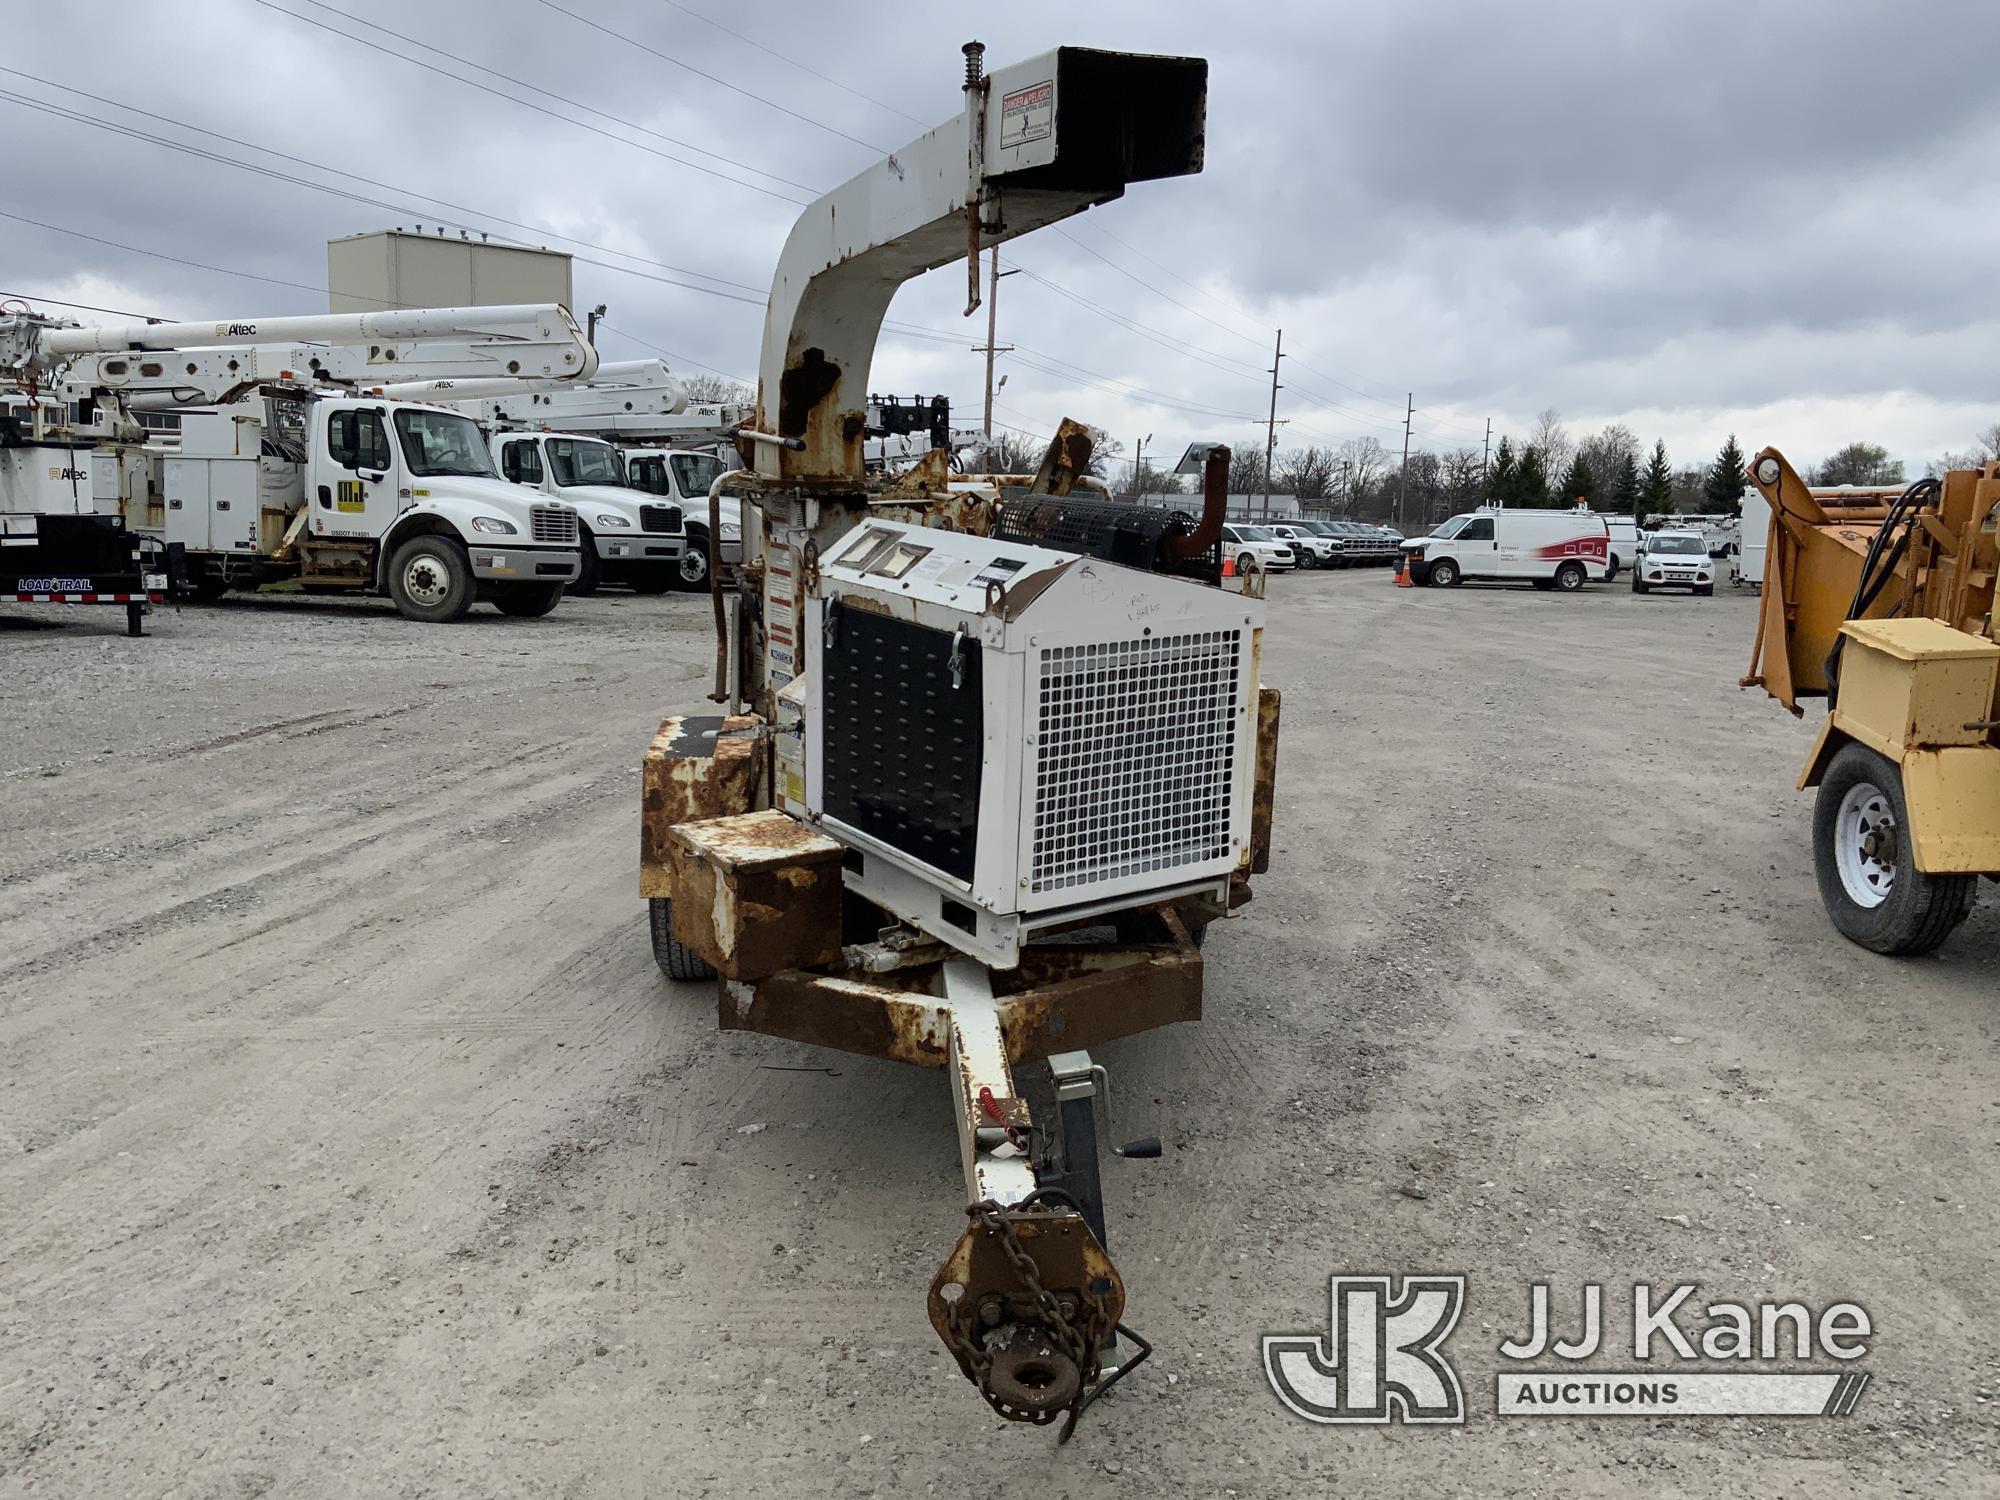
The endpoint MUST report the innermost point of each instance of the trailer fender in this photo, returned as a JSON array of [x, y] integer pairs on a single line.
[[1824, 747], [1952, 796]]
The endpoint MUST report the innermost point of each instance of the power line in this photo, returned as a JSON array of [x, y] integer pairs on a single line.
[[64, 112], [538, 109], [1153, 289], [176, 259], [549, 94], [633, 338], [632, 41], [116, 312], [794, 62]]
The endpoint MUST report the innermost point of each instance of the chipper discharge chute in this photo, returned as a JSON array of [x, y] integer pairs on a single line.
[[995, 751], [1883, 605]]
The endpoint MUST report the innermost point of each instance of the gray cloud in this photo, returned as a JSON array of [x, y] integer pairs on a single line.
[[1695, 218]]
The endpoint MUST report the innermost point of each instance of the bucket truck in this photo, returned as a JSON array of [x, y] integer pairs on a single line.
[[993, 755], [631, 403], [299, 460]]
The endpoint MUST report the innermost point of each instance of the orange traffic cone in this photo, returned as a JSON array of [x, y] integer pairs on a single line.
[[1403, 579], [1229, 567]]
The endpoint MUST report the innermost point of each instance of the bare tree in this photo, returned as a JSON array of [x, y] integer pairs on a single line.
[[1306, 472], [1552, 440], [1462, 482], [701, 388], [1246, 470], [1606, 453], [1360, 462]]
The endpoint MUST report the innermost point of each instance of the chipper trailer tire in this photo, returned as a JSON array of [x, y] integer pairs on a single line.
[[1882, 604], [994, 749]]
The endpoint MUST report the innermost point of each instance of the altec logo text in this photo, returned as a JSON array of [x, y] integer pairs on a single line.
[[1383, 1357]]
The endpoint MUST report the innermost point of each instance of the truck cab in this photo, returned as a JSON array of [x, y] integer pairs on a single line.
[[683, 477], [627, 536]]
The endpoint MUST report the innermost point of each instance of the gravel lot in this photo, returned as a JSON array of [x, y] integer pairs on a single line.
[[351, 1144]]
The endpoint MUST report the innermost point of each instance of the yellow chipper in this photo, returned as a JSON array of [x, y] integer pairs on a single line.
[[1883, 605], [995, 750]]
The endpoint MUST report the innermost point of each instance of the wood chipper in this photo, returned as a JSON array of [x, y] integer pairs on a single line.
[[995, 752], [1883, 604]]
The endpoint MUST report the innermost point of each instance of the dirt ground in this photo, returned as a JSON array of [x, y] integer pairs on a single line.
[[351, 1143]]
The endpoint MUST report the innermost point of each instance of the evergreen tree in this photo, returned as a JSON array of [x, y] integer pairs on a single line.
[[1501, 476], [1656, 488], [1531, 480], [1579, 484], [1722, 490], [1625, 491]]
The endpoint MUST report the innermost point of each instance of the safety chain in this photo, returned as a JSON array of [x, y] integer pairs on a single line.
[[1080, 1343]]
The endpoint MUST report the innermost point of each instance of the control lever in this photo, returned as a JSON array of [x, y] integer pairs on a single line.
[[1146, 1148]]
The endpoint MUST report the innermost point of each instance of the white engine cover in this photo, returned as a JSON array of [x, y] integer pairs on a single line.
[[1011, 738]]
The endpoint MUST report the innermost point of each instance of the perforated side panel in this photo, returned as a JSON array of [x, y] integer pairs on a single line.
[[903, 743], [1137, 756]]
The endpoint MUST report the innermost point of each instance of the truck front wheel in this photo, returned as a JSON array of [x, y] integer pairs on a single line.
[[430, 579], [675, 958], [1868, 878], [526, 601], [692, 571], [590, 572]]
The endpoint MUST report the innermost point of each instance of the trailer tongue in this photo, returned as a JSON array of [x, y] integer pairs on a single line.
[[994, 755]]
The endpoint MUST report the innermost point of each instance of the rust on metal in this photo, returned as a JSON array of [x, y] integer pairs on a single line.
[[1264, 792], [1067, 457], [1214, 508], [874, 1017], [756, 893], [698, 766], [802, 388]]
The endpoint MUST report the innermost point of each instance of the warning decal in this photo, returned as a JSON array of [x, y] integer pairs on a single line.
[[1028, 114]]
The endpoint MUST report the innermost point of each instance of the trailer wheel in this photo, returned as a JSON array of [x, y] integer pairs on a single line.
[[430, 579], [527, 601], [1444, 573], [692, 570], [1868, 879], [590, 572], [675, 958]]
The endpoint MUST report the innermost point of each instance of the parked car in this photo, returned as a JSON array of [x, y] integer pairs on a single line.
[[1673, 559], [1249, 546], [1362, 543], [1551, 549], [1310, 548]]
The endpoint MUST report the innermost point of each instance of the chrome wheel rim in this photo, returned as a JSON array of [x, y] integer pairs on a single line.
[[1864, 845], [426, 580]]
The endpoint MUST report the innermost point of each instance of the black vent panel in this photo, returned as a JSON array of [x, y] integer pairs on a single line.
[[903, 740]]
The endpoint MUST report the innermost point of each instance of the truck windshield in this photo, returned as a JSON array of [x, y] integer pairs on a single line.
[[1690, 546], [695, 472], [438, 442], [580, 461], [1450, 528]]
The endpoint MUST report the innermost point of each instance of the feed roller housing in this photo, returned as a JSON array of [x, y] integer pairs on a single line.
[[1008, 738]]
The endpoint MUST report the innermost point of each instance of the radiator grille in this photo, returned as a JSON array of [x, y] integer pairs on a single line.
[[660, 518], [553, 523], [1137, 747]]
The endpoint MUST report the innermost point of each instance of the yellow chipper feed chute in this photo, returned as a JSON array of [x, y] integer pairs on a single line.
[[1881, 602]]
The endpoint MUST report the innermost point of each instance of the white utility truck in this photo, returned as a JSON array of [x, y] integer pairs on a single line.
[[683, 477], [628, 537], [297, 459], [1551, 549]]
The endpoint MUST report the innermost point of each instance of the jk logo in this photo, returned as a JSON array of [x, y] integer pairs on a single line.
[[1380, 1360]]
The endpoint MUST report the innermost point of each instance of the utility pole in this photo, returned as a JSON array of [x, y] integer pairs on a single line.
[[1489, 451], [1139, 468], [1271, 426], [990, 348], [590, 335], [1403, 478]]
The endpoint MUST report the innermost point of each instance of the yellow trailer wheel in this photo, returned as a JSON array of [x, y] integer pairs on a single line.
[[1862, 855]]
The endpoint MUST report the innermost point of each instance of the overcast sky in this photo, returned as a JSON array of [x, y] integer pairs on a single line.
[[1771, 219]]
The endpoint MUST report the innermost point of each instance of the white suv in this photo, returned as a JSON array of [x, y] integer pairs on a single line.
[[1673, 560], [1250, 546], [1310, 548]]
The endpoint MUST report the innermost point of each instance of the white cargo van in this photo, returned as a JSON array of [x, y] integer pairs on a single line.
[[1551, 549], [1624, 542]]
